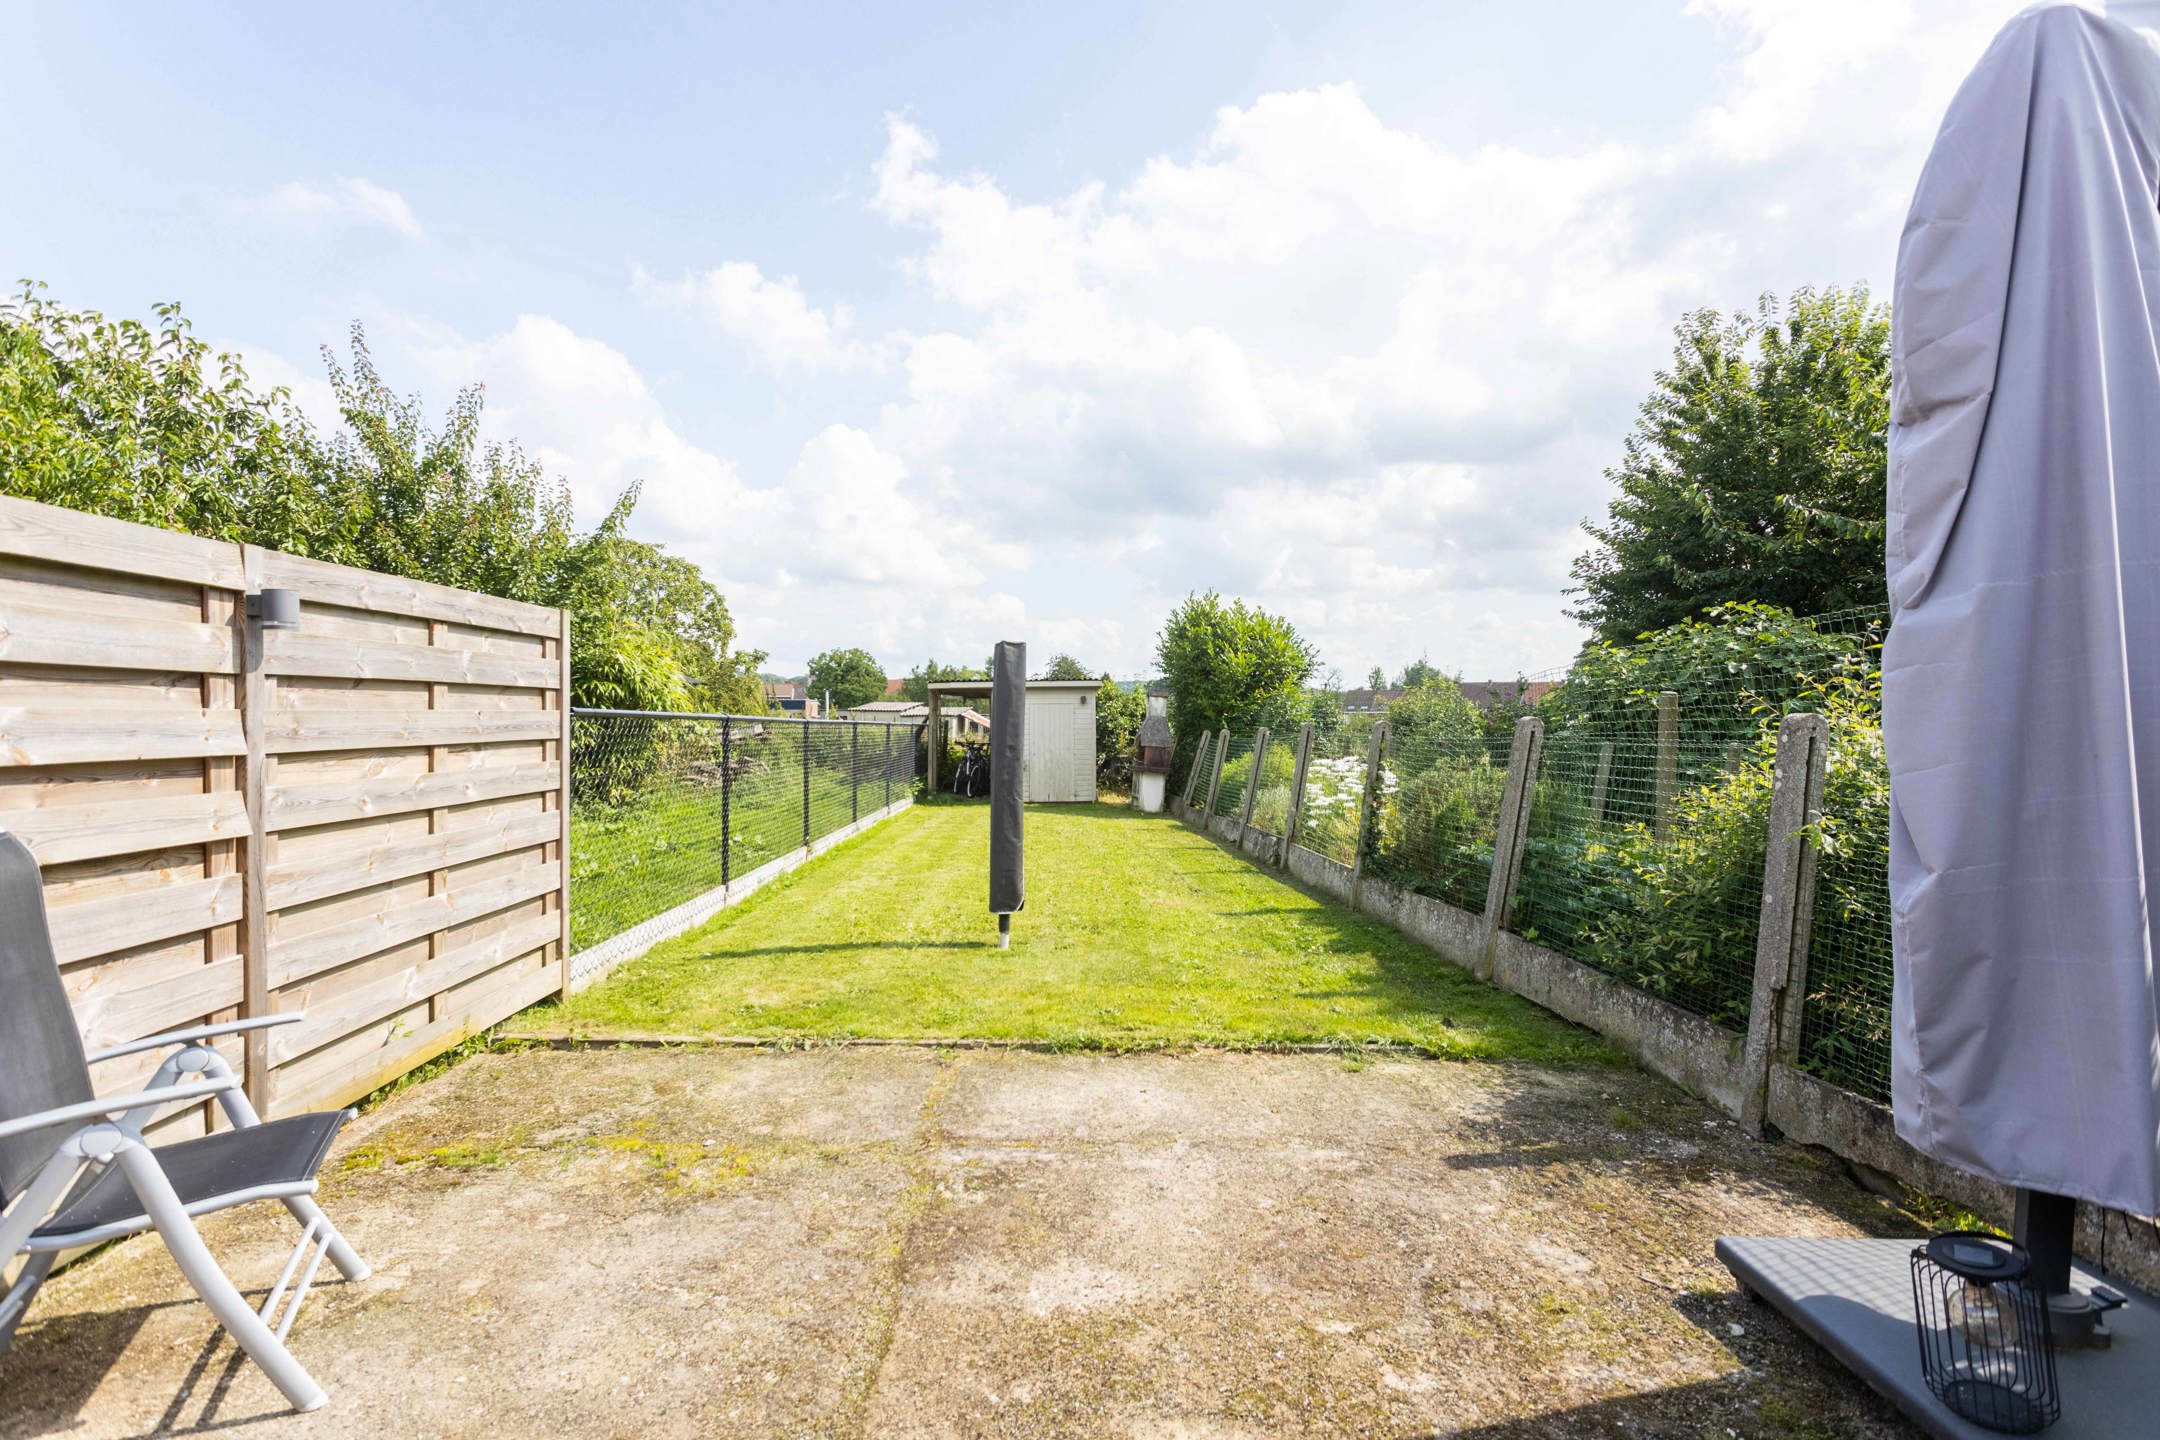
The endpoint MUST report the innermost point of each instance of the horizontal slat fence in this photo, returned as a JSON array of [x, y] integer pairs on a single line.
[[362, 818]]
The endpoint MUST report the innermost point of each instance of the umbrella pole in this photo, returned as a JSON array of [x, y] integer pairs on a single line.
[[2046, 1226]]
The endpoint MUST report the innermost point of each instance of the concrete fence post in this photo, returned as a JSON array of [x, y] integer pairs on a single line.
[[1511, 835], [1222, 747], [1788, 911], [1668, 761], [1599, 784], [1252, 782], [1297, 795], [1368, 801]]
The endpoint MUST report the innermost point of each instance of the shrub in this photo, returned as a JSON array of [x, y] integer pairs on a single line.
[[1434, 831]]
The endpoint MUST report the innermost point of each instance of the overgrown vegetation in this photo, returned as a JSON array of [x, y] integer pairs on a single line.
[[144, 423]]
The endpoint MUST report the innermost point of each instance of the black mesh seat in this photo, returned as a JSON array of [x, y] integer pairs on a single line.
[[276, 1152]]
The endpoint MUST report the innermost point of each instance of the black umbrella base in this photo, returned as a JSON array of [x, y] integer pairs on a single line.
[[1855, 1299]]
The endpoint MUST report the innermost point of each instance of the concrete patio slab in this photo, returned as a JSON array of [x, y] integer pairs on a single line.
[[901, 1242]]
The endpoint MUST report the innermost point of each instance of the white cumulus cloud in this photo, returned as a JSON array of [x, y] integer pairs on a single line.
[[351, 199]]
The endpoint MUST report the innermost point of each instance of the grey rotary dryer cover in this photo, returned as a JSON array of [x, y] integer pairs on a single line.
[[2021, 676], [1008, 777]]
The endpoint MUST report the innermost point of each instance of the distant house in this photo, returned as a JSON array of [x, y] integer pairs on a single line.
[[894, 687], [1369, 702], [1487, 693]]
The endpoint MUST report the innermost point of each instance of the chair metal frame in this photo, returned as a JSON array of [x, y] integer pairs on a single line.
[[113, 1135]]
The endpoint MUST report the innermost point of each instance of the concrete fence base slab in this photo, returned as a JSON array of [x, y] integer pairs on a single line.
[[1700, 1056]]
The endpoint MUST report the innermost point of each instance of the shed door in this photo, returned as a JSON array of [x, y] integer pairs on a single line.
[[1049, 749]]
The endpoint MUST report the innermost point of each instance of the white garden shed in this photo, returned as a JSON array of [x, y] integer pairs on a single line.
[[1060, 734]]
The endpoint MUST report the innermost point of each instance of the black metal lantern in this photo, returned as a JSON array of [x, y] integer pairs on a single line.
[[1986, 1348]]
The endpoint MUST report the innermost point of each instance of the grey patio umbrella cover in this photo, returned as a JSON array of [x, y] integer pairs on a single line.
[[2021, 677]]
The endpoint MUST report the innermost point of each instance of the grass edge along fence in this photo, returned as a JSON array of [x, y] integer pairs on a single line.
[[1763, 1065], [674, 816]]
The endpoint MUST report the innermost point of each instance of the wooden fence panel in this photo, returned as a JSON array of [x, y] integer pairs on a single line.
[[361, 818]]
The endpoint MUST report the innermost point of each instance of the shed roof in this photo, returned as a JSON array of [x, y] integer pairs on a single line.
[[972, 688]]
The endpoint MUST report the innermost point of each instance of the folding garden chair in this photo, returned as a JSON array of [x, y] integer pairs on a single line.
[[75, 1170]]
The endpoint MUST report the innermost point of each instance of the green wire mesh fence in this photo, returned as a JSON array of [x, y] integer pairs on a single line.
[[1653, 884], [1276, 770], [1236, 771], [1328, 819], [665, 807], [1438, 813]]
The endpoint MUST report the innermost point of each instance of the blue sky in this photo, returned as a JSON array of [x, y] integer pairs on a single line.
[[1342, 308]]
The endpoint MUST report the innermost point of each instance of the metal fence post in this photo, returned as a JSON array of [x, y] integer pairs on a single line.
[[727, 800], [806, 782], [1599, 783], [888, 765], [854, 770], [1252, 781], [1375, 751], [1297, 794], [1222, 745], [1512, 835], [1777, 1008], [1668, 761]]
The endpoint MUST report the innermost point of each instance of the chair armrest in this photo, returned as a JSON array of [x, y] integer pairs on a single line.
[[192, 1034], [116, 1105]]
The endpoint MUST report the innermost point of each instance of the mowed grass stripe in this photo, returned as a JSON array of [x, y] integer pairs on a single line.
[[1138, 933]]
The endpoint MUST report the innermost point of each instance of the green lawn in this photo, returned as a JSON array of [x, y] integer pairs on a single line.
[[1138, 932]]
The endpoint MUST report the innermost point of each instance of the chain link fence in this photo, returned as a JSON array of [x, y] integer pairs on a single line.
[[667, 807]]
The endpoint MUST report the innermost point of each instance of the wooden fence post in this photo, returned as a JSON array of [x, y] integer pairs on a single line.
[[1668, 761], [224, 773], [1512, 834], [1599, 784], [1297, 794], [562, 802], [1375, 752], [1788, 910], [1222, 747], [1252, 782]]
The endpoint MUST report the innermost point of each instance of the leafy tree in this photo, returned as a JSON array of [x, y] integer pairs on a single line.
[[1226, 662], [1064, 667], [645, 625], [919, 680], [145, 424], [1756, 470], [1376, 679], [851, 677], [1419, 672], [1435, 709], [1118, 713]]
